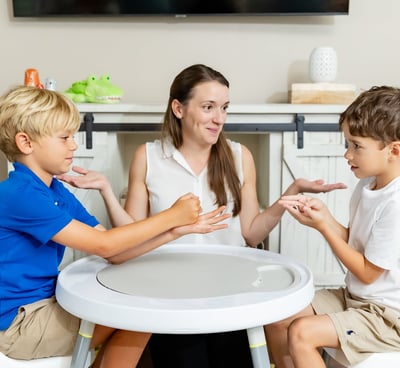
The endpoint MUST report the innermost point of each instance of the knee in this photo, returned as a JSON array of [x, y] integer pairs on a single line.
[[277, 327], [297, 333]]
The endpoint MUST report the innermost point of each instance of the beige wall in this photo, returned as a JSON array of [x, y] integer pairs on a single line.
[[261, 56]]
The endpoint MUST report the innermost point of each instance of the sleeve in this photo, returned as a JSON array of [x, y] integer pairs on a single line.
[[38, 215], [383, 245], [77, 210]]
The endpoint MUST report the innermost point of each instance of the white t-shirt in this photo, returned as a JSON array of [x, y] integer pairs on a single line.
[[375, 231], [169, 177]]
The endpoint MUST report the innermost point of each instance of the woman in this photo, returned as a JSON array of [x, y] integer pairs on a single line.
[[194, 155]]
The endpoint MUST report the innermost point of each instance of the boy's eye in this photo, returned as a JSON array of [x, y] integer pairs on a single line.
[[66, 137], [353, 145], [356, 145]]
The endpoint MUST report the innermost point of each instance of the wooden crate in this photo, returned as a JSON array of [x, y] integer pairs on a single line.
[[322, 93]]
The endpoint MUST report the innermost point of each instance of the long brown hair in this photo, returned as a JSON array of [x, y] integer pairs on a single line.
[[222, 174]]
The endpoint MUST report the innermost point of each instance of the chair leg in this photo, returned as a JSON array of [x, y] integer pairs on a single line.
[[329, 361]]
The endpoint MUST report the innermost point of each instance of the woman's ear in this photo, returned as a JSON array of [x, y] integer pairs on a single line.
[[23, 142], [177, 108]]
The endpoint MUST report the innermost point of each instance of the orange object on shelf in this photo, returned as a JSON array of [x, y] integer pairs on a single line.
[[32, 78]]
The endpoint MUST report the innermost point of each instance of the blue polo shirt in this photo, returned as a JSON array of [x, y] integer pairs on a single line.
[[31, 213]]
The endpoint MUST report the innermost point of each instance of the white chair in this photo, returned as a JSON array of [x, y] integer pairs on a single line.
[[376, 360], [53, 362]]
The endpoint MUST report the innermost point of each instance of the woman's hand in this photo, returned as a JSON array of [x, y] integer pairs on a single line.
[[316, 186], [87, 179], [206, 223]]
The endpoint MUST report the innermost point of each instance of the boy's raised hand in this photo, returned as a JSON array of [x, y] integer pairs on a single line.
[[308, 211]]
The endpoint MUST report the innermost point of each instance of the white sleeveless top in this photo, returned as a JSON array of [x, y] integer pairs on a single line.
[[169, 177]]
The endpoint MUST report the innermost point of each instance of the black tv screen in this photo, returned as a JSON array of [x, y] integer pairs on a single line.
[[85, 8]]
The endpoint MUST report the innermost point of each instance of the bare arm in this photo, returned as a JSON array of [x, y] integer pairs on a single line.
[[257, 225], [137, 200], [88, 179], [313, 213], [206, 223], [108, 243]]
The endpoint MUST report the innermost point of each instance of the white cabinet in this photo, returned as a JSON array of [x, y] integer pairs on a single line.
[[284, 147]]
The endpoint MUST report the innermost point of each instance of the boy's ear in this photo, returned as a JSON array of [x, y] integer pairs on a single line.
[[23, 143], [176, 107]]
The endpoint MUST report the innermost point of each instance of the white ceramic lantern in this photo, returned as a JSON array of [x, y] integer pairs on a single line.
[[323, 64]]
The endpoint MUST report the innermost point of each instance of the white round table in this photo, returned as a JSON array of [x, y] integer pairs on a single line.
[[186, 289]]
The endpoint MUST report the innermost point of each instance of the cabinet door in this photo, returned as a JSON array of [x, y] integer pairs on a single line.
[[321, 158]]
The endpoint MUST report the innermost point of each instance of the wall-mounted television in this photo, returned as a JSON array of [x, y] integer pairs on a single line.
[[96, 8]]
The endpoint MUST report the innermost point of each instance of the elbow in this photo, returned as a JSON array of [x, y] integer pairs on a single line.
[[104, 250], [251, 242], [368, 280], [114, 260], [121, 258]]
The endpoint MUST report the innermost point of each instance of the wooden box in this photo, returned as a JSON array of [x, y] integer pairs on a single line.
[[322, 93]]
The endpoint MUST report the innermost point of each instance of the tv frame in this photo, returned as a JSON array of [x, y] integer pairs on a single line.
[[177, 8]]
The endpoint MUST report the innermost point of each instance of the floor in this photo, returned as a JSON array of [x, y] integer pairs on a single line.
[[145, 361]]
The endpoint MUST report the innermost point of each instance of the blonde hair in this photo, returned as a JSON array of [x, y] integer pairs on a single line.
[[36, 112]]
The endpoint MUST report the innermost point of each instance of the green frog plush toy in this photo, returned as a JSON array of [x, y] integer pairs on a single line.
[[95, 90]]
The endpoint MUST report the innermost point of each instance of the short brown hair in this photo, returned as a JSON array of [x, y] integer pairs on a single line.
[[375, 113]]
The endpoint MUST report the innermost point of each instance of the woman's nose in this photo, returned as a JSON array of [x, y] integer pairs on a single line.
[[219, 116]]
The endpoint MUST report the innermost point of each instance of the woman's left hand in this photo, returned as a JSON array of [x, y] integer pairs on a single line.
[[315, 186]]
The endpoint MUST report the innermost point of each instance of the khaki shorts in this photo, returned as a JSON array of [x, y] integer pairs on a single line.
[[40, 330], [362, 327]]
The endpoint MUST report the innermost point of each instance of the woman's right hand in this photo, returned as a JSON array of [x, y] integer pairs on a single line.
[[206, 223]]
